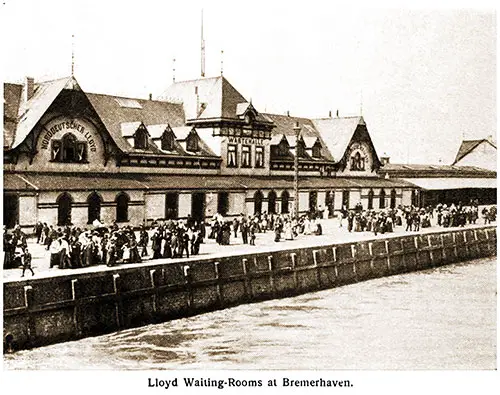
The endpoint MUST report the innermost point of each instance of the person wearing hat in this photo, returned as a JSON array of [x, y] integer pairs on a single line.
[[27, 261], [55, 250], [64, 261]]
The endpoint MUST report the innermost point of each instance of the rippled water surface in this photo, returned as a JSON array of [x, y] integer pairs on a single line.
[[443, 318]]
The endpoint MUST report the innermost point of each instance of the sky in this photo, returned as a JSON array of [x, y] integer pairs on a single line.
[[423, 79]]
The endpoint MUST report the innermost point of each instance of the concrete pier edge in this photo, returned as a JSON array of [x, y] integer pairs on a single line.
[[49, 310]]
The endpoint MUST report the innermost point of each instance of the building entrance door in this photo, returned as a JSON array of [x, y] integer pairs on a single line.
[[10, 210], [64, 203], [198, 206], [172, 205]]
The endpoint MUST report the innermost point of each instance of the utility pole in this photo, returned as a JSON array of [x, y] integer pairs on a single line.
[[297, 130]]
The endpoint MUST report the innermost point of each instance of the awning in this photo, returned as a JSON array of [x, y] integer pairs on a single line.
[[69, 182], [176, 182], [444, 183]]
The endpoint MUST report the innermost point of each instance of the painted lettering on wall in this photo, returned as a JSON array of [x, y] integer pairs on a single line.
[[245, 140], [69, 125]]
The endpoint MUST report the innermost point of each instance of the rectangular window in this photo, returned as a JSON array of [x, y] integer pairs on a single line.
[[192, 143], [232, 151], [246, 159], [56, 151], [316, 151], [259, 156], [81, 152]]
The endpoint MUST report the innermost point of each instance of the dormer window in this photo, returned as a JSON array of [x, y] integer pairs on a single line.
[[141, 138], [283, 148], [249, 117], [192, 143], [316, 150], [300, 149], [167, 141]]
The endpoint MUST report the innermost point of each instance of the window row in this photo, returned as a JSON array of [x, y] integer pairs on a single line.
[[94, 202], [381, 198], [245, 159]]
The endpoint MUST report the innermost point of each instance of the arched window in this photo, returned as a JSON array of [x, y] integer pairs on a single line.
[[257, 201], [122, 201], [393, 198], [68, 149], [271, 202], [285, 198], [64, 204], [94, 204], [370, 199], [382, 199]]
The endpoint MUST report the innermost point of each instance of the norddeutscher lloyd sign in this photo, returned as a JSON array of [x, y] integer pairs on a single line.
[[69, 125]]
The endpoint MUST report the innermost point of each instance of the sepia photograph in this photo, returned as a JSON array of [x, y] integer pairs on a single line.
[[239, 196]]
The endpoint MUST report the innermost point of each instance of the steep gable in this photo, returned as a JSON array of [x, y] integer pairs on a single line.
[[468, 146]]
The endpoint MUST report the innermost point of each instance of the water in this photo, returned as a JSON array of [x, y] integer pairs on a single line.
[[443, 318]]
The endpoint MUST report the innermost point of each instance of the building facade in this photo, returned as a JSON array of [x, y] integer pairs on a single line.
[[73, 157]]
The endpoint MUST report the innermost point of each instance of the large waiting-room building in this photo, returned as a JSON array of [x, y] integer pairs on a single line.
[[71, 157]]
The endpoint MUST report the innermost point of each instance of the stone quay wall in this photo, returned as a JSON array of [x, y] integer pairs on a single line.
[[49, 310]]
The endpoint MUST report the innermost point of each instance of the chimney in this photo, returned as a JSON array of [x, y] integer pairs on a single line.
[[29, 88], [287, 113], [150, 96], [330, 114], [385, 159]]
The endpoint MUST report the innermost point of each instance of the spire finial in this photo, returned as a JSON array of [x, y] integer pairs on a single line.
[[72, 55], [202, 48]]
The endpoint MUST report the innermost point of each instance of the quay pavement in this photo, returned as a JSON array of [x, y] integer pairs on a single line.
[[264, 242]]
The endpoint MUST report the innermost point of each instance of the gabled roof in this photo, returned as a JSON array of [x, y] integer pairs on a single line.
[[337, 133], [209, 98], [284, 125], [128, 129], [156, 131], [31, 111], [469, 145], [11, 101], [149, 112], [182, 132]]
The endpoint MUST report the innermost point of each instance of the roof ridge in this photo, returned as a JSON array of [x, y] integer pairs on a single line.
[[286, 116], [54, 80], [198, 79], [129, 97]]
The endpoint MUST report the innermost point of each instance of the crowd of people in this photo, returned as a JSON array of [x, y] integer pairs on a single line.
[[73, 247]]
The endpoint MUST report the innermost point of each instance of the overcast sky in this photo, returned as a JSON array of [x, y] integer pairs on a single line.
[[426, 78]]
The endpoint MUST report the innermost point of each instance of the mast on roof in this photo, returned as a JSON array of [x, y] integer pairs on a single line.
[[202, 48], [221, 62], [361, 104], [173, 70], [72, 55]]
